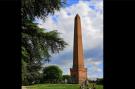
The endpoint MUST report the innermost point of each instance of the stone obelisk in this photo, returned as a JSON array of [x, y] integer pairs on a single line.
[[78, 72]]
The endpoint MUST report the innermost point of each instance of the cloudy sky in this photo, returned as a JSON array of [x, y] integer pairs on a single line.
[[91, 14]]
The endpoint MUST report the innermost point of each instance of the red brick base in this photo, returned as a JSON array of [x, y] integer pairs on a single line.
[[78, 75]]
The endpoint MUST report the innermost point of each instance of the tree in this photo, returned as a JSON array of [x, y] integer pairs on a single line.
[[37, 44], [36, 47], [99, 81], [39, 8], [24, 72], [52, 74], [66, 78]]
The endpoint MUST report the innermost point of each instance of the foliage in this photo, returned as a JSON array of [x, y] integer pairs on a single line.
[[52, 74], [37, 44], [36, 47], [39, 8], [92, 81], [24, 72], [99, 81], [67, 78]]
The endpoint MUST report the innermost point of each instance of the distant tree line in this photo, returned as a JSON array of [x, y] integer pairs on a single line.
[[99, 81], [52, 74]]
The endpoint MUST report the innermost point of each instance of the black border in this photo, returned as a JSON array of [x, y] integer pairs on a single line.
[[10, 37], [119, 20], [119, 25]]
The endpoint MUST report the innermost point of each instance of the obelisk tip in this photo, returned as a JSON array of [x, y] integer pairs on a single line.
[[77, 15]]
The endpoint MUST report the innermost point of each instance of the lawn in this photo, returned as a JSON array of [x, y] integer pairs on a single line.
[[58, 86]]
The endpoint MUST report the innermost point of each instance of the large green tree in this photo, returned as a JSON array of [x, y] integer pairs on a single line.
[[40, 8], [52, 74], [36, 47], [37, 44]]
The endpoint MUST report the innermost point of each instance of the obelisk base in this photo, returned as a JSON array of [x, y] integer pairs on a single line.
[[78, 75]]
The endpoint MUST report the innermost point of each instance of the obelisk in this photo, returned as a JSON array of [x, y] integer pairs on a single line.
[[78, 72]]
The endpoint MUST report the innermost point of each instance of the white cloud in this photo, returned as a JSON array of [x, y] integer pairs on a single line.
[[94, 61], [94, 68], [91, 23]]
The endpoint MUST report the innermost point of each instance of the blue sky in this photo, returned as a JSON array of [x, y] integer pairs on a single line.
[[91, 14], [71, 2]]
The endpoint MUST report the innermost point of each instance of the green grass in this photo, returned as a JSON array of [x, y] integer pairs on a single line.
[[97, 86], [58, 86]]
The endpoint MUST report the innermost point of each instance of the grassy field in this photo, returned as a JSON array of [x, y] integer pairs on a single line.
[[59, 86]]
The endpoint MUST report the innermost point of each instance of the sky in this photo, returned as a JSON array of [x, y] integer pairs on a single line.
[[91, 14]]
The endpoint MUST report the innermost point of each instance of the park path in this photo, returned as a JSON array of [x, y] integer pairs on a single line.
[[24, 87]]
